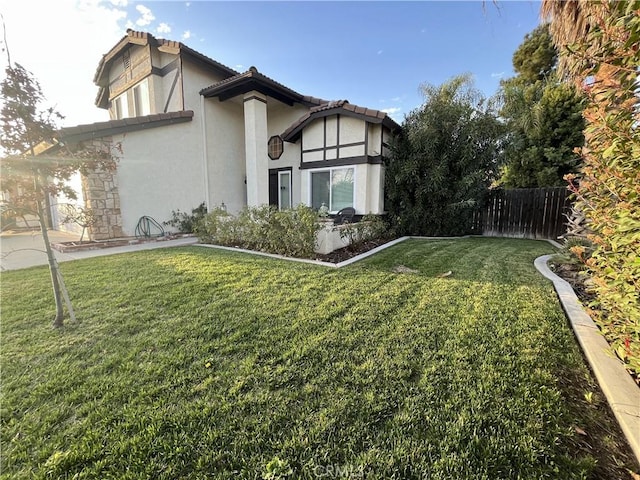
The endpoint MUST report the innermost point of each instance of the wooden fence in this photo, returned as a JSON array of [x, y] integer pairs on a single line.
[[524, 213]]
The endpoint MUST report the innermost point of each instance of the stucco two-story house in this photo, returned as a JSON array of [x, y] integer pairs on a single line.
[[192, 130]]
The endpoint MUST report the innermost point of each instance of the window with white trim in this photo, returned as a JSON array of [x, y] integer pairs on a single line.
[[120, 106], [333, 187], [141, 99]]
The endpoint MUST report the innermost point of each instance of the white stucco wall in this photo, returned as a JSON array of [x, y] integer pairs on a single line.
[[225, 153], [313, 135], [195, 79], [160, 171], [225, 150], [354, 151], [255, 141], [332, 131], [156, 86], [161, 90], [313, 156], [375, 202], [386, 138], [374, 140], [351, 131]]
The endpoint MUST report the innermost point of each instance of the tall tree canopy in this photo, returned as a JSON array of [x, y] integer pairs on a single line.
[[543, 117], [443, 161], [536, 57]]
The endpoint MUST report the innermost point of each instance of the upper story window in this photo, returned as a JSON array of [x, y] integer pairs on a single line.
[[141, 102], [120, 106]]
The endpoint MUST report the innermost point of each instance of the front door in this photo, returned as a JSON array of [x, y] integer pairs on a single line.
[[280, 188], [284, 189]]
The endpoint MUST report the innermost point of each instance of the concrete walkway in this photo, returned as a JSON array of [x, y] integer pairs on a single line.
[[26, 249]]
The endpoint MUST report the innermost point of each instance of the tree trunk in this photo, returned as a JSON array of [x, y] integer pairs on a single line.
[[53, 267]]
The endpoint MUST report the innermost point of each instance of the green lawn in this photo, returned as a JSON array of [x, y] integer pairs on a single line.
[[199, 363]]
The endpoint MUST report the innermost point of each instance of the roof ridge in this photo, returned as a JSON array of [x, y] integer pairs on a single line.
[[377, 116], [253, 72]]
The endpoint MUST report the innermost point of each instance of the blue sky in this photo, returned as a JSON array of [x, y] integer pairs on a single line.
[[374, 54]]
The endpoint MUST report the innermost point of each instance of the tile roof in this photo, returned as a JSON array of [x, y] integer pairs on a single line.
[[334, 107], [252, 79], [80, 133]]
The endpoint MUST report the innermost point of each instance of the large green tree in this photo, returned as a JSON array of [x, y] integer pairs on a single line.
[[443, 161], [543, 117], [34, 166]]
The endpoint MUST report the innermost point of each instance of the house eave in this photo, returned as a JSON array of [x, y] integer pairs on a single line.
[[90, 131], [293, 133], [252, 80]]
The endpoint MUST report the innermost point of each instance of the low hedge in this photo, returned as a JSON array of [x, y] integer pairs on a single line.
[[289, 232]]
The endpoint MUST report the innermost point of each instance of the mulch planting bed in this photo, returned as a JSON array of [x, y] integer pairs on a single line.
[[346, 253]]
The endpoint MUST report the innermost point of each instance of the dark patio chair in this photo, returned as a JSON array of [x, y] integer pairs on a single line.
[[344, 216]]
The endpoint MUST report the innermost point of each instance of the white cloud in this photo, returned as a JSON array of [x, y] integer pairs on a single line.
[[497, 75], [163, 28], [92, 28], [146, 16], [188, 4], [186, 35], [394, 112], [119, 3], [239, 67]]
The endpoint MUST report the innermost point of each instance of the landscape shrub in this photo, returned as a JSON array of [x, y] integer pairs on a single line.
[[293, 231], [370, 228], [443, 161], [290, 232], [253, 225], [187, 223], [605, 61], [213, 225], [575, 250]]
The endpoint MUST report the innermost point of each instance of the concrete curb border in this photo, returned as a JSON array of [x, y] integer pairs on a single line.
[[620, 390], [306, 260], [264, 254], [357, 258]]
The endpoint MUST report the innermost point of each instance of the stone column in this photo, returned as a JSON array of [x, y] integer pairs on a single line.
[[101, 195], [256, 154]]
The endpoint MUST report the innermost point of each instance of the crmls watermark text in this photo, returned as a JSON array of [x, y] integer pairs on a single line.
[[338, 471]]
